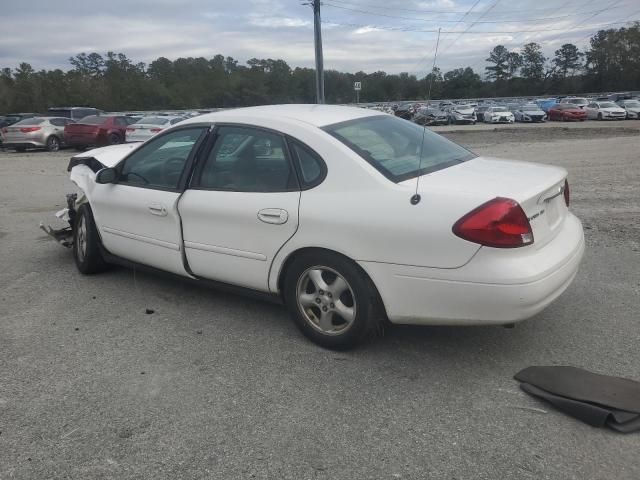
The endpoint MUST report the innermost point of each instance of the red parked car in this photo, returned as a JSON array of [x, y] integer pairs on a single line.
[[96, 131], [566, 112]]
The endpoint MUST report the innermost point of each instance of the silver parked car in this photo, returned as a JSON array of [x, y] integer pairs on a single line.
[[529, 112], [147, 127], [36, 132]]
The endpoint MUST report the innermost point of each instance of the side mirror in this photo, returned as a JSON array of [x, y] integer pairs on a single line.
[[107, 175]]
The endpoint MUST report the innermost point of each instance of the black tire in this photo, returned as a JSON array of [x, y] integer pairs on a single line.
[[53, 144], [88, 259], [114, 139], [21, 149], [600, 116], [361, 296], [80, 148]]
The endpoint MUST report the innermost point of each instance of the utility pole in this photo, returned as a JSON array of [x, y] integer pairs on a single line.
[[317, 41]]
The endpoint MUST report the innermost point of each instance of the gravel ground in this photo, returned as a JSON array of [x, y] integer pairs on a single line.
[[218, 386]]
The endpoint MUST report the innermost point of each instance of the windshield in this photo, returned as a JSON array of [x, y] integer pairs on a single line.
[[607, 105], [530, 108], [153, 120], [499, 109], [632, 103], [394, 146], [29, 121]]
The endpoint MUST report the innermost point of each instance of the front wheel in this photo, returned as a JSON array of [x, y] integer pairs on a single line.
[[600, 116], [86, 243], [332, 301], [114, 139]]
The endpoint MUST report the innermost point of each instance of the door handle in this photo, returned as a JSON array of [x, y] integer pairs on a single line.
[[158, 209], [276, 216]]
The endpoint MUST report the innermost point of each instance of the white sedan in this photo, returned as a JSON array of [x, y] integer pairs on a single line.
[[147, 127], [348, 216], [498, 115], [605, 111]]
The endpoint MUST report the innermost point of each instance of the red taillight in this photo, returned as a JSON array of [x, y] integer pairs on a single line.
[[566, 192], [29, 129], [131, 130], [155, 130], [499, 223]]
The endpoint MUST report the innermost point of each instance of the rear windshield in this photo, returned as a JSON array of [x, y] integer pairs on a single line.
[[578, 101], [397, 148], [153, 120], [93, 120], [30, 121]]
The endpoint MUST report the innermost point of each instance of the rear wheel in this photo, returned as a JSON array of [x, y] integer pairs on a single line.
[[114, 139], [599, 116], [21, 149], [332, 301], [53, 144], [86, 243], [80, 148]]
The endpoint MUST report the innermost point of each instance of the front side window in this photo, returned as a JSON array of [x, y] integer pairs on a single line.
[[160, 162], [396, 148], [246, 159]]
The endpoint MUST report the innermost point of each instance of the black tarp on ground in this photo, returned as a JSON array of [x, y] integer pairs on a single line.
[[596, 399]]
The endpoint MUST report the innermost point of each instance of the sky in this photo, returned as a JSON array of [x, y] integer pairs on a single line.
[[358, 35]]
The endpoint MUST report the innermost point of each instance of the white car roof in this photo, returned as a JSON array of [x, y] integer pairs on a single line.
[[317, 115]]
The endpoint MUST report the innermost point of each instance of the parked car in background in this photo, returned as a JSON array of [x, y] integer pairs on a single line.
[[404, 110], [605, 111], [147, 127], [616, 97], [459, 114], [575, 101], [632, 107], [36, 132], [498, 115], [566, 112], [431, 116], [480, 112], [529, 112], [287, 222], [74, 113], [12, 118], [96, 131], [546, 104]]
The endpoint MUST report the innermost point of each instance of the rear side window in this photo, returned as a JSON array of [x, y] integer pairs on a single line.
[[245, 159], [312, 168], [58, 122]]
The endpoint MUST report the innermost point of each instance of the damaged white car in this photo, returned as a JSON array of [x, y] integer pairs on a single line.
[[349, 216]]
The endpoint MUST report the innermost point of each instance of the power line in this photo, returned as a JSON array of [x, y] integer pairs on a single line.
[[460, 20], [444, 12]]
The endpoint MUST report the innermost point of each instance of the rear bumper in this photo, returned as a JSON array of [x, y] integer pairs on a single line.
[[24, 144], [84, 140], [497, 286]]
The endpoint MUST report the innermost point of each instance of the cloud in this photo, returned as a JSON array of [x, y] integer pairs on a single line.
[[244, 29]]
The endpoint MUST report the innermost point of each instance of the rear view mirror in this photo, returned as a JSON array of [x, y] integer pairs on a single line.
[[107, 175]]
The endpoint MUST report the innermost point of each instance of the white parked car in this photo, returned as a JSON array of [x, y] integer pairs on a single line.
[[605, 111], [576, 101], [347, 215], [498, 115], [529, 112], [632, 107], [147, 127]]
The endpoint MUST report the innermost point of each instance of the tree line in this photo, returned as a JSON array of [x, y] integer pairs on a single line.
[[114, 82]]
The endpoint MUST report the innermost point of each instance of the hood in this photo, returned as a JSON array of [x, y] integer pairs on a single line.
[[109, 156], [533, 112], [463, 111], [613, 109]]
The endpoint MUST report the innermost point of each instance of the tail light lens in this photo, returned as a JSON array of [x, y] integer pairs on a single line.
[[566, 192], [499, 223], [5, 130], [131, 130], [29, 129], [155, 130]]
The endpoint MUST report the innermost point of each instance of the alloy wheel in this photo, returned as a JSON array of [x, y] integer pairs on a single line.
[[81, 238], [326, 300]]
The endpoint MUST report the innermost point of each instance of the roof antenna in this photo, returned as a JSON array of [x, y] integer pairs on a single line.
[[415, 199]]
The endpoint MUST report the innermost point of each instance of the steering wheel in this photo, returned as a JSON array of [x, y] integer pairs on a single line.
[[172, 169]]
